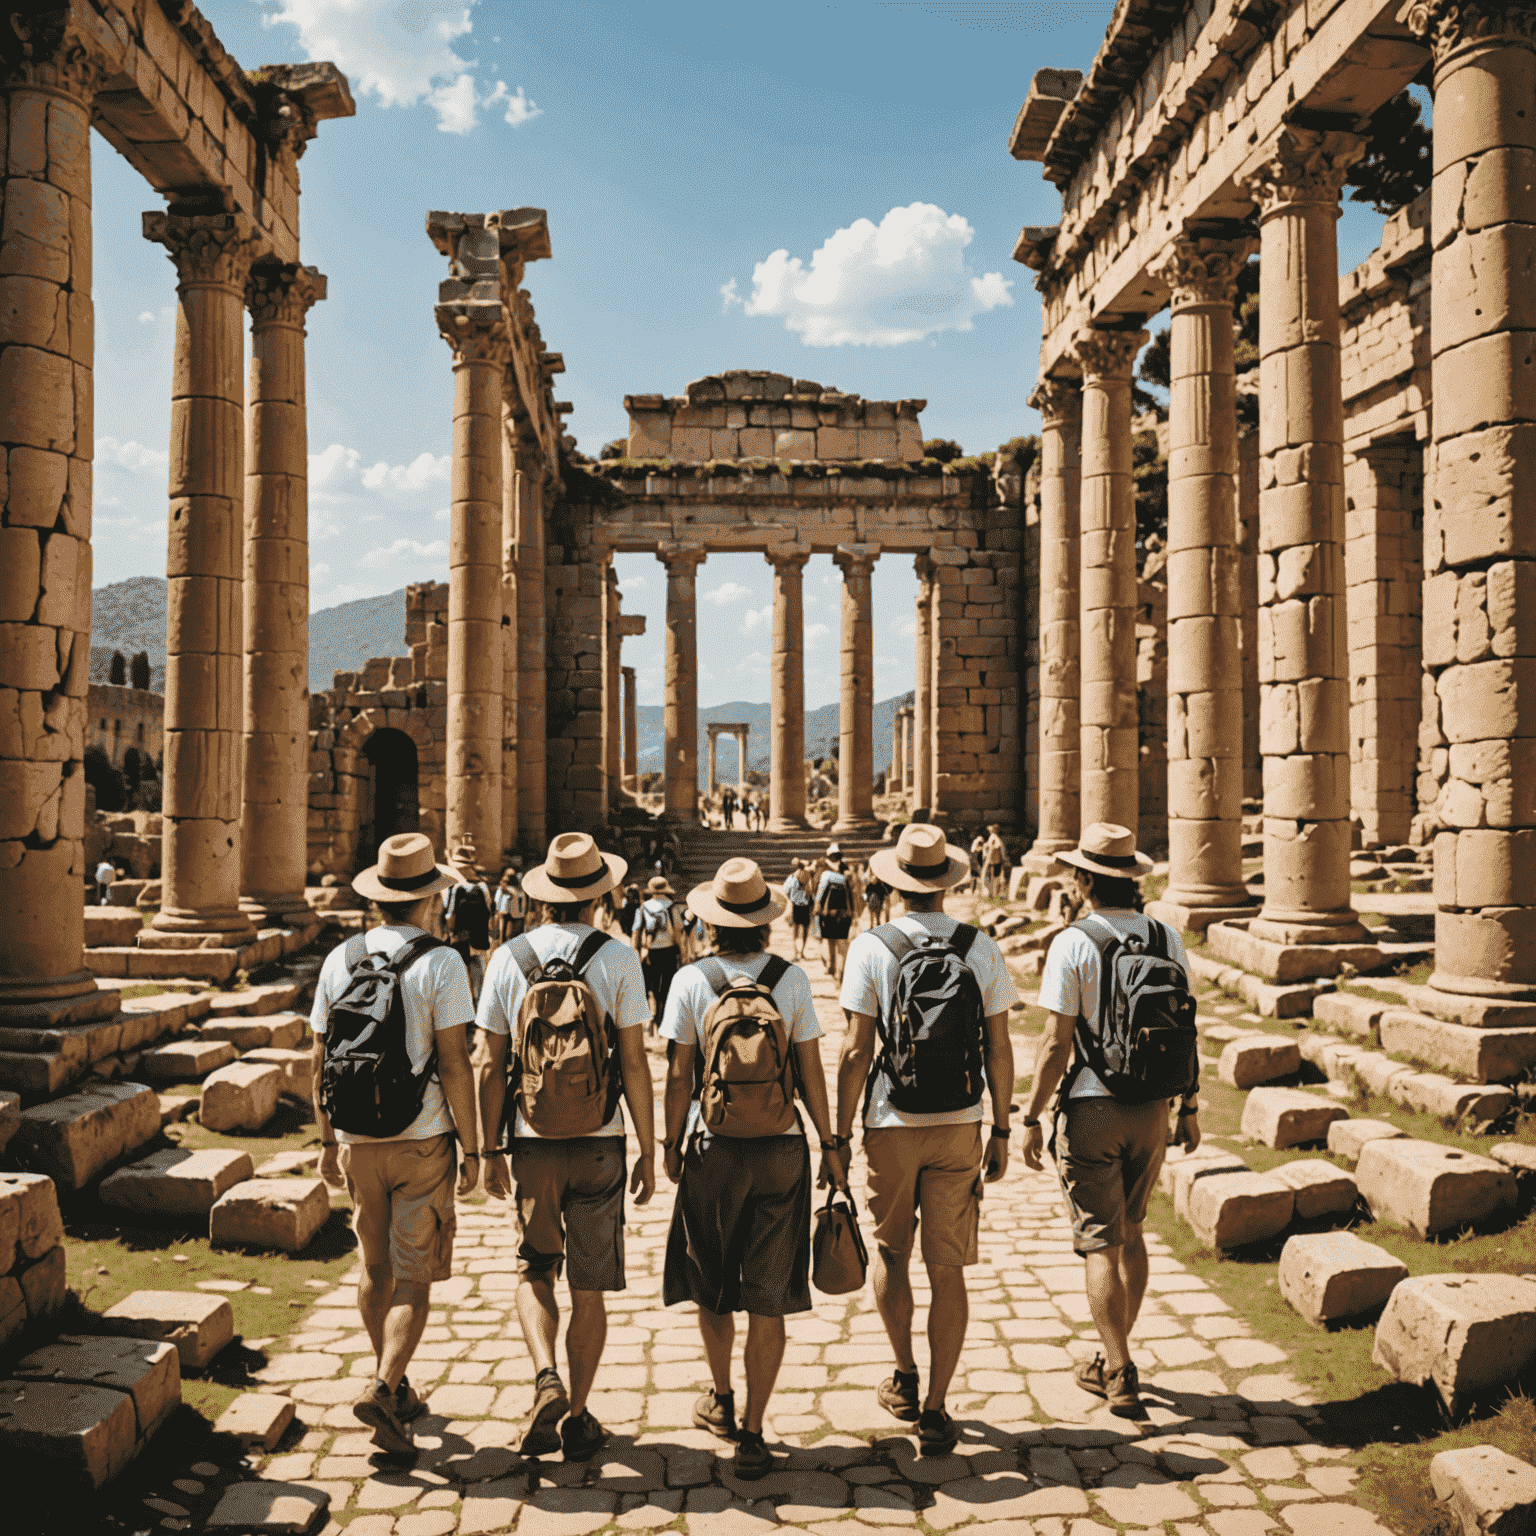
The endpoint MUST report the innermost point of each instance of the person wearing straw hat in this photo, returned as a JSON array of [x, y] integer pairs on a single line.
[[741, 1228], [1108, 1153], [402, 1187], [658, 933], [922, 1129], [836, 897], [570, 1190]]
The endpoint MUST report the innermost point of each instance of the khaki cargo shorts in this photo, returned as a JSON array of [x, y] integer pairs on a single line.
[[1109, 1155], [402, 1204], [570, 1209], [932, 1171]]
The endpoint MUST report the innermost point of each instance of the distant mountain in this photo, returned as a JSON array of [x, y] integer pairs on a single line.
[[129, 616]]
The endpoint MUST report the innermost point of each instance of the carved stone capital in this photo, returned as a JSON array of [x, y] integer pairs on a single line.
[[477, 332], [856, 561], [682, 560], [1201, 271], [785, 558], [1108, 355], [1450, 25], [213, 250], [1303, 165], [46, 47], [282, 292], [1058, 400]]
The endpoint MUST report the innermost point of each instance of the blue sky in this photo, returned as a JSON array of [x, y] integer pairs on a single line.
[[678, 149]]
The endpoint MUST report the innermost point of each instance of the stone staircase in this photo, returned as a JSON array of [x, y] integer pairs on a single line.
[[705, 849]]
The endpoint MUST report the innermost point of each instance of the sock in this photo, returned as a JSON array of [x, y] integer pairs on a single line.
[[548, 1371]]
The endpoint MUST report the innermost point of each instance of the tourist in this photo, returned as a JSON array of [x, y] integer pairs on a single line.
[[517, 903], [797, 890], [627, 911], [741, 1227], [467, 914], [567, 1146], [402, 1185], [994, 860], [834, 910], [876, 894], [728, 806], [978, 848], [659, 937], [106, 874], [923, 1113], [1108, 1153]]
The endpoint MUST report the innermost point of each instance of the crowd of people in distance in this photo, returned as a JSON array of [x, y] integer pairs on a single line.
[[727, 804]]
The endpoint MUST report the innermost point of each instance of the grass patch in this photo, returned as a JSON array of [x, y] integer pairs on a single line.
[[141, 989], [1375, 994], [1416, 975]]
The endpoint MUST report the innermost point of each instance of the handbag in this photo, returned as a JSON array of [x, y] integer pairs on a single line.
[[839, 1262]]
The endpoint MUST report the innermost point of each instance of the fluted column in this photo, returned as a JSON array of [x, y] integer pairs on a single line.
[[200, 855], [1107, 730], [741, 761], [611, 644], [680, 706], [532, 682], [511, 679], [631, 748], [922, 701], [855, 763], [712, 777], [894, 777], [786, 745], [1205, 684], [1302, 631], [275, 786]]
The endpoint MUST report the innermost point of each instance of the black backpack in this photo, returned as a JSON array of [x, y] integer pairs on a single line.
[[931, 1046], [469, 916], [1146, 1045], [367, 1083], [836, 899]]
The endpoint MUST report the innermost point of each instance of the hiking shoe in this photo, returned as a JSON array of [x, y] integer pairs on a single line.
[[716, 1412], [377, 1409], [1123, 1390], [581, 1436], [899, 1396], [408, 1407], [1089, 1375], [936, 1433], [752, 1459], [550, 1405]]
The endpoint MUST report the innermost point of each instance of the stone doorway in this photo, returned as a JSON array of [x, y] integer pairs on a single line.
[[389, 796]]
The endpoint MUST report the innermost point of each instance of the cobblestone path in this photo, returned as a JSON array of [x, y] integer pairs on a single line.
[[1224, 1449]]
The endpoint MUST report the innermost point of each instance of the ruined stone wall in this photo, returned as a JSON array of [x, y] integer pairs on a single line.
[[119, 718]]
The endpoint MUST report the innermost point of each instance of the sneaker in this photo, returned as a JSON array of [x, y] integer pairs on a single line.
[[716, 1412], [376, 1408], [408, 1407], [752, 1459], [1124, 1391], [899, 1396], [581, 1436], [550, 1405], [1089, 1375], [936, 1433]]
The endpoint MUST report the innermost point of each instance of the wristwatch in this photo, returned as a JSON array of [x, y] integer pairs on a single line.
[[1004, 1131]]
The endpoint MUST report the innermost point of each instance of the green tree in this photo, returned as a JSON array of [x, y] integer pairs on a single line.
[[1398, 159], [944, 449], [1149, 473]]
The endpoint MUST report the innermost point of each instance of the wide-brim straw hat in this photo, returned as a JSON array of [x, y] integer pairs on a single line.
[[738, 897], [406, 871], [922, 860], [576, 869], [658, 885], [1107, 849]]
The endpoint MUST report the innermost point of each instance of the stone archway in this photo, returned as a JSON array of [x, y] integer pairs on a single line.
[[389, 800]]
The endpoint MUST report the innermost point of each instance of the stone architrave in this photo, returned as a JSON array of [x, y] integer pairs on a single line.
[[856, 750], [45, 525], [922, 693], [1060, 403], [786, 747], [680, 707], [1302, 629], [1205, 701], [275, 789], [1108, 730], [200, 856], [631, 747], [1480, 515]]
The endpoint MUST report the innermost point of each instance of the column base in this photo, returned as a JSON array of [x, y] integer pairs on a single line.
[[181, 928], [1239, 944], [46, 1004], [1459, 987], [855, 824], [286, 911], [788, 824], [1041, 858], [1191, 919], [1309, 928]]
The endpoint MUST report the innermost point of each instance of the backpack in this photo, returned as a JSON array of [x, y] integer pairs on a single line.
[[562, 1065], [653, 921], [836, 899], [468, 915], [747, 1082], [931, 1046], [1145, 1046], [367, 1083], [876, 893]]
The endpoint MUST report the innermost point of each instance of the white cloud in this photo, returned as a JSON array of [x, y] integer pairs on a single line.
[[131, 455], [520, 109], [729, 296], [906, 627], [147, 317], [727, 592], [436, 550], [633, 584], [816, 632], [754, 662], [424, 469], [877, 285], [756, 618], [316, 571]]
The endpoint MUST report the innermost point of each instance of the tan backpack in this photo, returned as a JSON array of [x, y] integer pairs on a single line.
[[747, 1086], [562, 1071]]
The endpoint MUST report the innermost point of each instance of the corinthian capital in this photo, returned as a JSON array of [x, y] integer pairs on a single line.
[[281, 292], [1201, 271], [1058, 400], [1108, 354], [476, 331], [1448, 25], [46, 46], [212, 249], [856, 560], [682, 560], [788, 557], [1304, 165]]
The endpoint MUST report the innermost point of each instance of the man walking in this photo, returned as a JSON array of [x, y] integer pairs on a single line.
[[834, 910], [927, 1001], [402, 1184], [106, 875], [1108, 1152], [565, 1004], [658, 932]]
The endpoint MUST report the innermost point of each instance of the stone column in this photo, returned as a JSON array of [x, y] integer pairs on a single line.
[[1060, 403], [1302, 635], [532, 755], [922, 703], [786, 746], [1205, 683], [1248, 587], [631, 748], [894, 777], [477, 334], [1107, 730], [200, 855], [855, 762], [680, 708], [45, 526], [713, 777], [275, 790], [741, 761], [611, 645], [510, 675]]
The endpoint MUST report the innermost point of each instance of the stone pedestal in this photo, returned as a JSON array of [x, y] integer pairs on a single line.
[[856, 751], [786, 753], [275, 804], [680, 708], [631, 747], [922, 703]]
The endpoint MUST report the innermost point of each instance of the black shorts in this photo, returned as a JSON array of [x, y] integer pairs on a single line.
[[799, 916], [835, 925]]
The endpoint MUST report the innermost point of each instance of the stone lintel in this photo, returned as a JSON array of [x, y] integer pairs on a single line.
[[1050, 93], [631, 624], [1033, 247], [1233, 942]]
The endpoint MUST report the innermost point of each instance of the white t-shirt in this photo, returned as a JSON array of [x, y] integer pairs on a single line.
[[105, 873], [614, 976], [869, 985], [1069, 983], [435, 995], [795, 888], [660, 907], [692, 997]]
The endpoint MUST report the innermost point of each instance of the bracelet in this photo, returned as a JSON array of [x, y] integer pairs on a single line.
[[467, 1155], [1002, 1130], [1029, 1125], [1189, 1114]]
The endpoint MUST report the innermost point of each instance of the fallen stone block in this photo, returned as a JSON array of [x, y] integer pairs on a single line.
[[296, 1067], [1187, 1172], [185, 1061], [242, 1033], [1179, 1157], [149, 1371], [256, 1418], [1230, 1210], [66, 1431], [29, 1212], [1347, 1013], [43, 1284], [1322, 1188], [74, 1138], [1430, 1188], [1489, 1491], [1459, 1050], [1431, 1094], [13, 1309], [1515, 1156], [147, 1019], [281, 1163], [174, 1107], [37, 1074], [1377, 1071], [253, 1001], [289, 1030], [270, 1213], [1347, 1137], [198, 1324], [176, 1182], [242, 1097], [1258, 1059], [1288, 1117], [269, 1509], [1464, 1334], [1329, 1275], [111, 925]]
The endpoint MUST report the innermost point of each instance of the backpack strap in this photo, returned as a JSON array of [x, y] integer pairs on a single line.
[[774, 972], [524, 957], [590, 945], [714, 973], [408, 954], [354, 951], [962, 939], [896, 939], [1087, 1049]]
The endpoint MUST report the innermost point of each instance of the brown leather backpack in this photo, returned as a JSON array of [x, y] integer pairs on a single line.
[[748, 1069]]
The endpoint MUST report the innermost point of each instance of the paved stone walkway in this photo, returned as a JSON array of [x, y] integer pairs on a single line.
[[1224, 1449]]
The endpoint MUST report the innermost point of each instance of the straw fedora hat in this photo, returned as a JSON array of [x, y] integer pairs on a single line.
[[1107, 849], [921, 861], [406, 871], [738, 897], [575, 870], [658, 885]]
